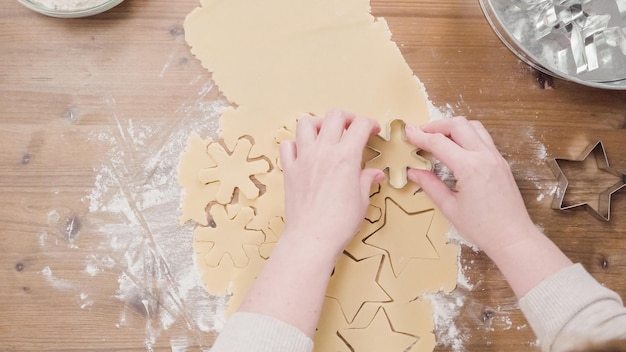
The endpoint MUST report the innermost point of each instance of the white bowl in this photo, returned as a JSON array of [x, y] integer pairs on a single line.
[[57, 8]]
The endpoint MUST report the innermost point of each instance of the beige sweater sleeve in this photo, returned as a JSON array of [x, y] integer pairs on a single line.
[[571, 309], [260, 333]]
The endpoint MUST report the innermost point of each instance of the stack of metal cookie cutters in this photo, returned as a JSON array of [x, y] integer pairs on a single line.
[[578, 40]]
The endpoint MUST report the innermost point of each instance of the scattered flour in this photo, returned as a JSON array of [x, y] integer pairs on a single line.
[[57, 282], [135, 205], [446, 307], [454, 237], [84, 301]]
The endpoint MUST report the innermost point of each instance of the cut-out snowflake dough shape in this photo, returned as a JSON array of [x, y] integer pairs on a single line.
[[272, 234], [395, 154], [228, 237], [404, 236], [197, 194], [234, 170], [244, 278]]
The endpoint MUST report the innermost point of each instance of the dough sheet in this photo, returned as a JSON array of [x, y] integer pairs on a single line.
[[275, 61]]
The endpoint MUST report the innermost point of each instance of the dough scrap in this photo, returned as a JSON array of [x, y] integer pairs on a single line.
[[277, 60]]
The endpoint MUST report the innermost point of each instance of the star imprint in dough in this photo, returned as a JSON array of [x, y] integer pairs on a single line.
[[379, 335], [354, 284], [404, 236]]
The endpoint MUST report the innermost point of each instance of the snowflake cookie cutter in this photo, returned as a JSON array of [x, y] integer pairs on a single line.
[[597, 151], [394, 155]]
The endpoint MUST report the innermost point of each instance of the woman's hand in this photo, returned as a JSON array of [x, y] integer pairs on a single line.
[[486, 204], [326, 190]]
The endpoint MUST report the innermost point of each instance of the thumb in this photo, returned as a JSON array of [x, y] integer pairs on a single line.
[[368, 178], [287, 153], [439, 192]]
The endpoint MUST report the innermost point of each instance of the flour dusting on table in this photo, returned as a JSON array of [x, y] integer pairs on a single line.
[[135, 207]]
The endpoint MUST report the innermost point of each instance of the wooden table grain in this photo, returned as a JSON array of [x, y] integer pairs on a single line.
[[63, 81]]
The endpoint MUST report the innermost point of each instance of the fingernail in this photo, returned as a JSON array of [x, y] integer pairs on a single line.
[[410, 127]]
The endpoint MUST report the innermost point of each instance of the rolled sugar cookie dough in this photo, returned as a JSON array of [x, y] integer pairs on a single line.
[[276, 60]]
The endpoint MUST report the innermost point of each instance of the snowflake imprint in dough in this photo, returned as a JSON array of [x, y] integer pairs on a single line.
[[222, 237], [233, 170]]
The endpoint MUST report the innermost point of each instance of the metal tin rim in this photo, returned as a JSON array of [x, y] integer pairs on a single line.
[[529, 59], [71, 14]]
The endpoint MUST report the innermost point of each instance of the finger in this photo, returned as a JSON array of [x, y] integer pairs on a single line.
[[439, 192], [306, 131], [287, 153], [484, 135], [442, 148], [368, 178], [334, 125], [458, 129], [359, 131]]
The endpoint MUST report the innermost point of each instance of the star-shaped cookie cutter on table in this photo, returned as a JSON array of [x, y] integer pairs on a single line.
[[604, 205]]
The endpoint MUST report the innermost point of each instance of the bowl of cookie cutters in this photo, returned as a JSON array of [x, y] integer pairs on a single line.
[[583, 41], [70, 8]]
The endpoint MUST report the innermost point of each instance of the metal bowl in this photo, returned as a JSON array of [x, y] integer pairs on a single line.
[[47, 7], [583, 41]]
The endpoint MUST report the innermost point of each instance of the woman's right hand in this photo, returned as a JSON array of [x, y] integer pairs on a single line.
[[486, 206]]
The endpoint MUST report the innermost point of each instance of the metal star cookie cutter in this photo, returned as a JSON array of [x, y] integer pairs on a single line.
[[604, 205]]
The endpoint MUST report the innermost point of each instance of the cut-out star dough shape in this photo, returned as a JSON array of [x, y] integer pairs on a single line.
[[359, 250], [410, 198], [354, 284], [592, 173], [395, 154], [404, 236], [331, 320], [378, 336], [405, 318], [233, 170], [434, 275], [228, 237]]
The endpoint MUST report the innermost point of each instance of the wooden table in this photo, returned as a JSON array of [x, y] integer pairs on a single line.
[[73, 91]]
